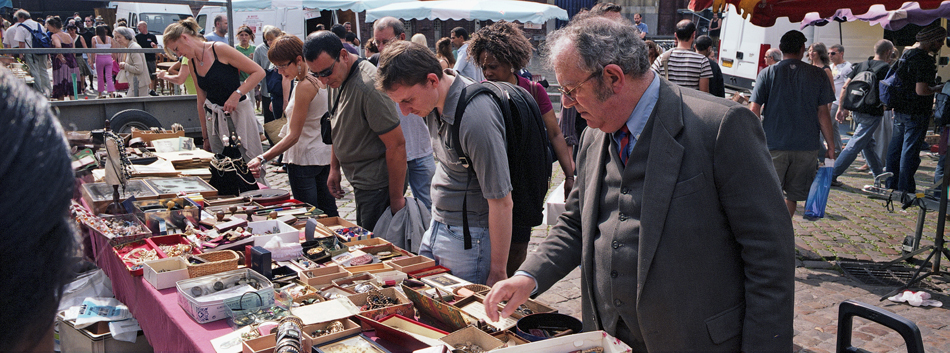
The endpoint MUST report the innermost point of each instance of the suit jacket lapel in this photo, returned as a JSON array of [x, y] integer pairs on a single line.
[[663, 165]]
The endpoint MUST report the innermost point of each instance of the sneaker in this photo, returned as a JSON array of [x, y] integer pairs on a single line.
[[152, 93], [836, 183]]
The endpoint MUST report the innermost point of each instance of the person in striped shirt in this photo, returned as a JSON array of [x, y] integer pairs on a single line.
[[683, 66]]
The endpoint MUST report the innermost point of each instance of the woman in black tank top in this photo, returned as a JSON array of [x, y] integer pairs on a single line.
[[219, 91]]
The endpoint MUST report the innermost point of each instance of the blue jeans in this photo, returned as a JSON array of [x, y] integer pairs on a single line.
[[446, 245], [419, 173], [309, 184], [903, 155], [863, 140]]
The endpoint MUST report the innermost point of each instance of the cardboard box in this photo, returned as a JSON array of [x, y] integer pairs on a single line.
[[126, 249], [335, 223], [164, 273], [411, 335], [325, 311], [135, 230], [153, 212], [571, 343], [371, 268], [361, 343], [411, 264], [267, 344], [473, 335], [323, 276], [380, 251], [474, 307], [170, 187], [404, 307], [445, 281], [173, 239], [371, 242], [449, 316], [96, 338], [286, 233], [350, 328], [426, 272], [511, 339], [99, 195], [357, 276], [412, 326]]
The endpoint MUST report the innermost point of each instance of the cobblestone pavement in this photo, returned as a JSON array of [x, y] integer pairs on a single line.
[[856, 228]]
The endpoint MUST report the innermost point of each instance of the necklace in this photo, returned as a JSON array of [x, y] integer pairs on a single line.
[[202, 61]]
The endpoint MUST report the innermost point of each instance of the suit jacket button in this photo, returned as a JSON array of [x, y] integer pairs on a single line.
[[617, 302], [614, 274], [615, 244]]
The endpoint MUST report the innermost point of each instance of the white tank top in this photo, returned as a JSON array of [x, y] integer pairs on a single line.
[[104, 46], [309, 149]]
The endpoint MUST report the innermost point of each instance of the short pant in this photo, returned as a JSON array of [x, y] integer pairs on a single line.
[[796, 170], [151, 68]]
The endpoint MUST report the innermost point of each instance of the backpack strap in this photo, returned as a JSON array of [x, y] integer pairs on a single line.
[[464, 98]]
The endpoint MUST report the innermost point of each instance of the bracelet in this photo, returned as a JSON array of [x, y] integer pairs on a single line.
[[263, 160], [238, 91]]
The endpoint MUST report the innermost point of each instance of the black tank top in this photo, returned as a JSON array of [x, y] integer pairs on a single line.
[[219, 82]]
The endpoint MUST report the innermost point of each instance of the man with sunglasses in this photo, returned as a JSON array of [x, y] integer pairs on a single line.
[[840, 70], [676, 218], [368, 142]]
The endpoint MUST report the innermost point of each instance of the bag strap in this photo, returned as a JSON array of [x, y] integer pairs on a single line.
[[665, 61], [339, 93], [464, 98]]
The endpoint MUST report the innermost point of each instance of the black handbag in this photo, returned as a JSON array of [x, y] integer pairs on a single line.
[[229, 172]]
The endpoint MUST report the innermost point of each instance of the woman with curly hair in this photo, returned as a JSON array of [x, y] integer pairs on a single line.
[[501, 50]]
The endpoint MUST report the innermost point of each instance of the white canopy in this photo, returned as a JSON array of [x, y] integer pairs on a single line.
[[508, 10]]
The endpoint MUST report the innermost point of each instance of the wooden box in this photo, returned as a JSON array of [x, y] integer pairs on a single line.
[[323, 276], [404, 307]]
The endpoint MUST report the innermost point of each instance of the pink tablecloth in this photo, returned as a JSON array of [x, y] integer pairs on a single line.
[[167, 327]]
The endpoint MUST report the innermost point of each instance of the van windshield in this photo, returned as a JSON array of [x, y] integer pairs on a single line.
[[158, 21]]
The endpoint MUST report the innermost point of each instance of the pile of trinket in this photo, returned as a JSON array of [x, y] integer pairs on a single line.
[[375, 300], [353, 232], [175, 249], [333, 327], [289, 335], [470, 347]]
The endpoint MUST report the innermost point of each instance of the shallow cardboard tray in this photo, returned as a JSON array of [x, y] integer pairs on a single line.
[[169, 240], [99, 195], [323, 276], [350, 328], [138, 269], [472, 334], [170, 187], [370, 268], [286, 233], [572, 343], [267, 344], [411, 264], [163, 273], [371, 346], [404, 307], [152, 217]]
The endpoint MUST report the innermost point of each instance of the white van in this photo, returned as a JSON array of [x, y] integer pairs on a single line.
[[742, 45], [157, 16], [290, 20]]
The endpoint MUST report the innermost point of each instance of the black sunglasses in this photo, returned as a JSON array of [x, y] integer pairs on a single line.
[[327, 72]]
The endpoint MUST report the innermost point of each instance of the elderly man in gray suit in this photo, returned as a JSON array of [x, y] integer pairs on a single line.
[[676, 217]]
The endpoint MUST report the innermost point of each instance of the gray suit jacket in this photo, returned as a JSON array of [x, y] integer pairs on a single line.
[[715, 270]]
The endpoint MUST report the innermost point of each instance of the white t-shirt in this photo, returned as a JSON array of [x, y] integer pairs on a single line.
[[23, 35], [8, 37], [840, 73]]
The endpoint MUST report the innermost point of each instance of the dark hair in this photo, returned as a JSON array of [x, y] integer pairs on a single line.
[[791, 42], [339, 30], [406, 64], [38, 241], [443, 48], [319, 27], [322, 42], [703, 42], [246, 29], [371, 47], [460, 32], [102, 31], [685, 29], [503, 40], [72, 28], [56, 22], [351, 37], [605, 7]]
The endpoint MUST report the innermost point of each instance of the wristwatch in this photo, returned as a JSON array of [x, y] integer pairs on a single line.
[[263, 160]]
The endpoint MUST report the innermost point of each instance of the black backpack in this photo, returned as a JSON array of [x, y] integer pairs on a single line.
[[893, 91], [526, 139], [861, 94]]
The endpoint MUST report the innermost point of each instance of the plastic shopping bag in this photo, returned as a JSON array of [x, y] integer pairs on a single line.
[[818, 194]]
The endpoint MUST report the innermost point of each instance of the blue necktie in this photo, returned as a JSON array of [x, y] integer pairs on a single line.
[[624, 141]]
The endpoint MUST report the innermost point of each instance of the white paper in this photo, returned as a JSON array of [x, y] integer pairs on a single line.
[[98, 309], [125, 330], [325, 311], [230, 343]]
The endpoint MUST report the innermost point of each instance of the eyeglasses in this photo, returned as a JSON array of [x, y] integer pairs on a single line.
[[380, 43], [327, 72], [281, 67], [832, 53], [570, 93]]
